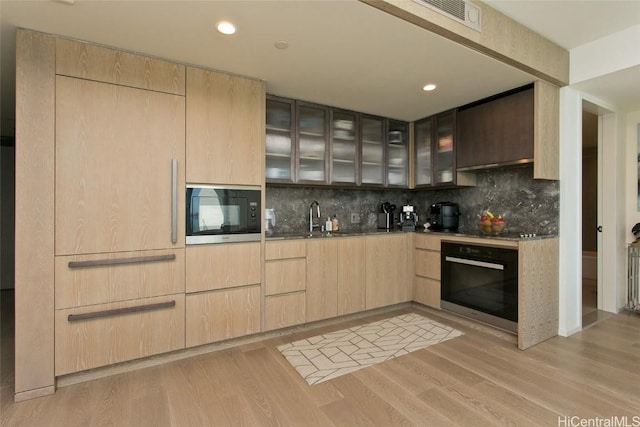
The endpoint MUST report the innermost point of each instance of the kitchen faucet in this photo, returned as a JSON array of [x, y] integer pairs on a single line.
[[313, 223]]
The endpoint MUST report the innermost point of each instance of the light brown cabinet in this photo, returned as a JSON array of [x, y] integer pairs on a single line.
[[221, 266], [426, 286], [223, 292], [389, 269], [98, 335], [114, 171], [351, 275], [119, 168], [322, 279], [83, 280], [224, 128], [284, 284], [222, 314]]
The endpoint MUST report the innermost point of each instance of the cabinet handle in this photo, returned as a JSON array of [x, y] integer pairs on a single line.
[[174, 200], [117, 261], [120, 311]]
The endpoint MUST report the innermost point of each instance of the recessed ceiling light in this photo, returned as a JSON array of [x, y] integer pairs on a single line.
[[226, 27], [429, 87], [281, 44]]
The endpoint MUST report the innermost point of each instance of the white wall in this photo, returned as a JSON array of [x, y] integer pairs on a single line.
[[607, 55], [570, 297]]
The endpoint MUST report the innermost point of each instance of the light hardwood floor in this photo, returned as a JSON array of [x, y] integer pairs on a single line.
[[479, 379]]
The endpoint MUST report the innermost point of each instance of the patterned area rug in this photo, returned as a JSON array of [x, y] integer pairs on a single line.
[[328, 356]]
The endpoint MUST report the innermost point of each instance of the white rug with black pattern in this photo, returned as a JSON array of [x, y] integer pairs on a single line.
[[328, 356]]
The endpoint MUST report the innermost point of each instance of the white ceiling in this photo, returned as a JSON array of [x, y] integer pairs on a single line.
[[341, 53]]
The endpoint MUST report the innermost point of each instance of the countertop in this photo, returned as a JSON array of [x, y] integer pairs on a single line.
[[511, 236]]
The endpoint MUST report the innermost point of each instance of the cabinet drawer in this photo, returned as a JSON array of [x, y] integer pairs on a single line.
[[220, 315], [427, 264], [427, 291], [283, 276], [117, 332], [285, 249], [221, 266], [285, 310], [104, 278], [428, 242], [107, 65]]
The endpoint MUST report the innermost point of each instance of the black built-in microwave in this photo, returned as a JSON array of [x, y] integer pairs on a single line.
[[222, 213]]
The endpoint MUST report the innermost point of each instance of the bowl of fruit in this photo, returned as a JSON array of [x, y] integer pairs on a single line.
[[490, 223]]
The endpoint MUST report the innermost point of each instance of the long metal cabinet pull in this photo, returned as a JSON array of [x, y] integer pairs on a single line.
[[117, 261], [120, 311], [475, 263], [174, 200]]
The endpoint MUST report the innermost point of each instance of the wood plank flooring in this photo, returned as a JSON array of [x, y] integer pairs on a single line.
[[479, 379]]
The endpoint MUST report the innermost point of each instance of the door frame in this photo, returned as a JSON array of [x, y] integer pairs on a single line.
[[611, 248]]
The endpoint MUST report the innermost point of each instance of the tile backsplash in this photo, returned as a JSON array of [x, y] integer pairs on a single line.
[[527, 205]]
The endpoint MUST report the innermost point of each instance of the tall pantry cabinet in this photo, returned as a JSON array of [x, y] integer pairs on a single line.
[[119, 179]]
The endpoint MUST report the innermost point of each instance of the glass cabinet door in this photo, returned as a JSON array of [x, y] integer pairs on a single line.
[[279, 148], [312, 142], [443, 172], [343, 147], [397, 153], [372, 165], [423, 136]]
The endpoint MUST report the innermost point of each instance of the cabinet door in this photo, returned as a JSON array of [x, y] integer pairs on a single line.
[[372, 164], [222, 266], [104, 278], [222, 315], [114, 177], [321, 290], [444, 148], [351, 275], [225, 128], [312, 142], [286, 275], [389, 270], [280, 149], [99, 335], [284, 310], [423, 144], [497, 131], [344, 147], [397, 154]]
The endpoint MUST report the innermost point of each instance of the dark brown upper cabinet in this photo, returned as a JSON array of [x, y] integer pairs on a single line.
[[496, 131]]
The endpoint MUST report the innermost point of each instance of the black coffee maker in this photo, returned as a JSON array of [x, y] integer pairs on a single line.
[[408, 218], [444, 216]]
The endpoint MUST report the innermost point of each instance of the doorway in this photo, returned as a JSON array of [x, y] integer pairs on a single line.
[[590, 193]]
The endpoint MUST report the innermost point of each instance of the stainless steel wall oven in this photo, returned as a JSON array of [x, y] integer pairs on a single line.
[[481, 282]]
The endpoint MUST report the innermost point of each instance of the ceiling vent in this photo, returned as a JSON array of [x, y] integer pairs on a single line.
[[459, 10]]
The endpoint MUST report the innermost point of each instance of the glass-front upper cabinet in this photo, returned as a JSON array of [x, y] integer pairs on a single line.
[[397, 154], [423, 130], [280, 147], [435, 150], [344, 147], [312, 142], [443, 148], [372, 164]]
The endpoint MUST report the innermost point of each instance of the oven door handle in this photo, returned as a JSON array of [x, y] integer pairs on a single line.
[[474, 263]]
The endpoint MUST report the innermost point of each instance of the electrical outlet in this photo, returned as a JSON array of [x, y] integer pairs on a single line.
[[355, 218]]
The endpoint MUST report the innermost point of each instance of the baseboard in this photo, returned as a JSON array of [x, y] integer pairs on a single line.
[[32, 394]]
